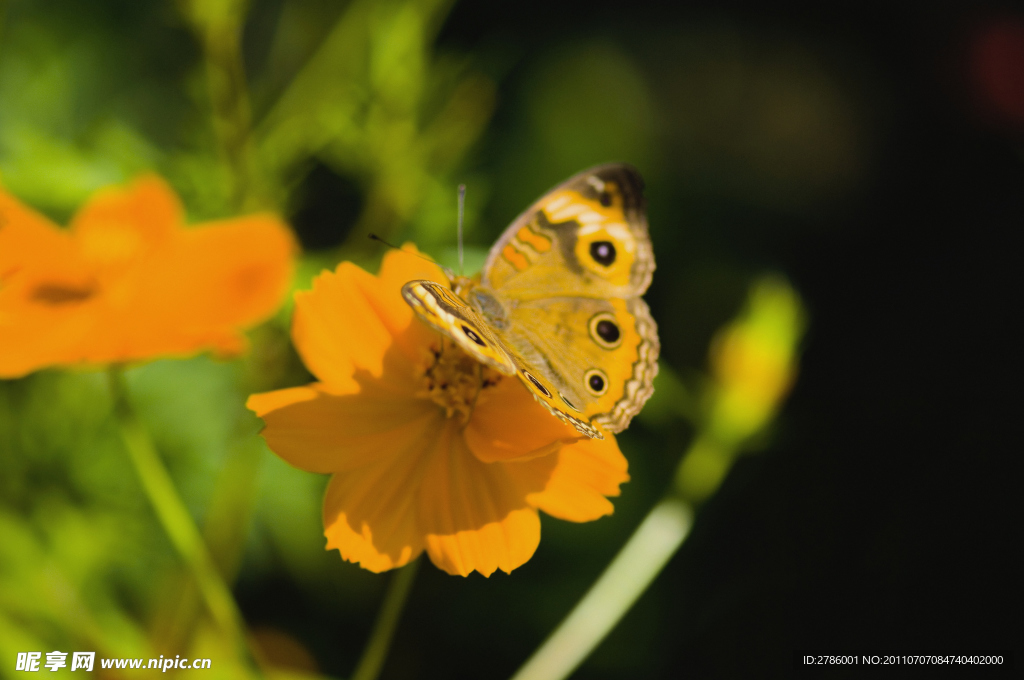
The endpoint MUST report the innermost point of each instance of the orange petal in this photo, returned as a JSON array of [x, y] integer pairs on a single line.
[[46, 316], [322, 432], [27, 239], [205, 286], [195, 292], [33, 336], [370, 513], [238, 270], [508, 424], [46, 293], [347, 326], [401, 266], [127, 283], [120, 222], [586, 472], [385, 297], [474, 514]]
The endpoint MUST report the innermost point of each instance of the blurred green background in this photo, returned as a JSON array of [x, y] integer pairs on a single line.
[[874, 158]]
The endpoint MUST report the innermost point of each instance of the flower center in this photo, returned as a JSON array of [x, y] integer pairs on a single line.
[[62, 294], [454, 380]]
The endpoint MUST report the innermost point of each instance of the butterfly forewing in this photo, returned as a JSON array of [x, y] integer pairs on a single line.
[[445, 311], [586, 237]]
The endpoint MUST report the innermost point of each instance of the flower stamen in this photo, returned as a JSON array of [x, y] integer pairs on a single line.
[[454, 380]]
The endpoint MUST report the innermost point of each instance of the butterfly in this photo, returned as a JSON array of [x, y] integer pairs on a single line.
[[558, 302]]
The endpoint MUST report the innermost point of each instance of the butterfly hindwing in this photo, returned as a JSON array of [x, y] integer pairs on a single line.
[[551, 398], [599, 356]]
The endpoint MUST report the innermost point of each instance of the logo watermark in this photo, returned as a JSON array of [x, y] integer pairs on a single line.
[[84, 661]]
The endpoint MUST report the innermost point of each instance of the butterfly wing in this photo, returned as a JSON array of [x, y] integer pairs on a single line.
[[599, 357], [586, 237], [568, 275], [442, 309]]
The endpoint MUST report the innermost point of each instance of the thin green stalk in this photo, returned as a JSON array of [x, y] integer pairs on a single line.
[[224, 528], [219, 29], [376, 650], [623, 581], [175, 518]]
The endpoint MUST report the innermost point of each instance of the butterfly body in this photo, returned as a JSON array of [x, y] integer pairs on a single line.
[[558, 302]]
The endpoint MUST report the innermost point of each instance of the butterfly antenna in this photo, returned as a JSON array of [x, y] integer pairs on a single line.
[[374, 237], [462, 211], [448, 272]]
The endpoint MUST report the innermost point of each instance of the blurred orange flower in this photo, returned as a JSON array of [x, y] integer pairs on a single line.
[[429, 450], [127, 281]]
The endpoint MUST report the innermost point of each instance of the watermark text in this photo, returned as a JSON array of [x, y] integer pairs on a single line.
[[32, 662]]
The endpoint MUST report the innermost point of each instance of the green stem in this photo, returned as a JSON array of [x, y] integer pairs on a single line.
[[224, 528], [175, 518], [623, 581], [376, 650], [219, 29]]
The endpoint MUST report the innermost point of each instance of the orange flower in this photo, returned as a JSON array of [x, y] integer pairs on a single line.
[[429, 449], [126, 281]]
